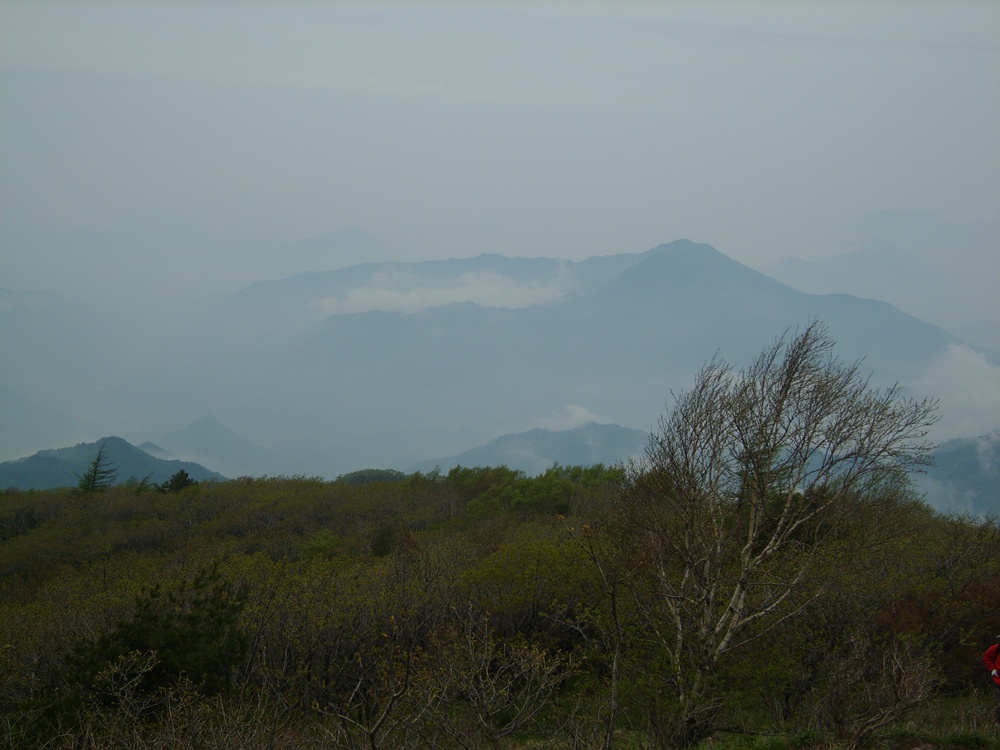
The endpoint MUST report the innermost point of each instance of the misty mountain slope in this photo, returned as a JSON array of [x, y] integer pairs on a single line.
[[536, 451], [685, 293], [385, 364], [686, 302], [931, 269], [291, 306], [349, 246], [446, 374], [489, 279], [686, 265], [156, 451], [208, 441], [965, 477], [61, 467], [594, 272]]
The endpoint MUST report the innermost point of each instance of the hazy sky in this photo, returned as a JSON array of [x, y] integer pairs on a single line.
[[154, 155], [451, 129]]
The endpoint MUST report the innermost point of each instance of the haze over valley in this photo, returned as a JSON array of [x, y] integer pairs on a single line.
[[391, 364], [384, 235]]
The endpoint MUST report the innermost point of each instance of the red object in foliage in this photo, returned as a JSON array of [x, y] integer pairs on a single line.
[[990, 660]]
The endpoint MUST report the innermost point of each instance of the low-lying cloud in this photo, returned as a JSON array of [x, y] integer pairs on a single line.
[[968, 387], [399, 290], [571, 417]]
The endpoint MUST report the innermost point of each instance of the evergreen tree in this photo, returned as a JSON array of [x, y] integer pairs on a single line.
[[100, 475], [190, 631], [178, 482]]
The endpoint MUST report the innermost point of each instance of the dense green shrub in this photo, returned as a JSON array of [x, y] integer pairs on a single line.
[[191, 631]]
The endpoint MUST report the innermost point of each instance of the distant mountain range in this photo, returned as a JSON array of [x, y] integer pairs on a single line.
[[392, 364], [62, 467], [538, 450], [945, 274], [210, 442], [965, 478], [614, 336]]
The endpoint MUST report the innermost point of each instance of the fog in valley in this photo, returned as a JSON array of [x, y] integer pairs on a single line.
[[375, 234]]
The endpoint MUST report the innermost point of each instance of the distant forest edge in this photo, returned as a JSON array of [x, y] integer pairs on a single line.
[[964, 478]]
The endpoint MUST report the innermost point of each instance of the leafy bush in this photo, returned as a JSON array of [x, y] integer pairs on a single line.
[[189, 632]]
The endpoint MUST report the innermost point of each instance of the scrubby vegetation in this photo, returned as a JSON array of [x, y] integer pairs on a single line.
[[628, 607], [477, 609]]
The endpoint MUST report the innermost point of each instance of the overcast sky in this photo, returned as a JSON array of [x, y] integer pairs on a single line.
[[452, 129]]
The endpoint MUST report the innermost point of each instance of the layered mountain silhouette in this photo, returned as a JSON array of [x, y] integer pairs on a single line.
[[617, 349], [538, 450], [62, 467], [943, 273], [210, 442], [394, 364], [965, 477]]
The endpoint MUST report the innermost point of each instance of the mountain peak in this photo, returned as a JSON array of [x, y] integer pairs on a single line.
[[686, 247], [62, 467], [208, 422], [209, 441], [686, 269]]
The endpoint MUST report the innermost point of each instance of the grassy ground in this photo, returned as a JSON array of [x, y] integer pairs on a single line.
[[967, 722]]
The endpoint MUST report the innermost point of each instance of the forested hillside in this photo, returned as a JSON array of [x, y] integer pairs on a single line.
[[733, 584]]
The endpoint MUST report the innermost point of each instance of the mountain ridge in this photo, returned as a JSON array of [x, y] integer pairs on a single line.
[[401, 361], [617, 347], [965, 476], [62, 467], [208, 441], [539, 449], [941, 272]]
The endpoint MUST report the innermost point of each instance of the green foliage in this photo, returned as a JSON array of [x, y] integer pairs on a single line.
[[139, 486], [187, 632], [179, 481], [324, 544], [385, 539], [17, 521], [550, 493], [419, 612], [364, 476]]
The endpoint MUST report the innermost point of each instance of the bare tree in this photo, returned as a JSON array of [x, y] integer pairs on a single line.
[[488, 688], [871, 686], [730, 508], [609, 631]]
